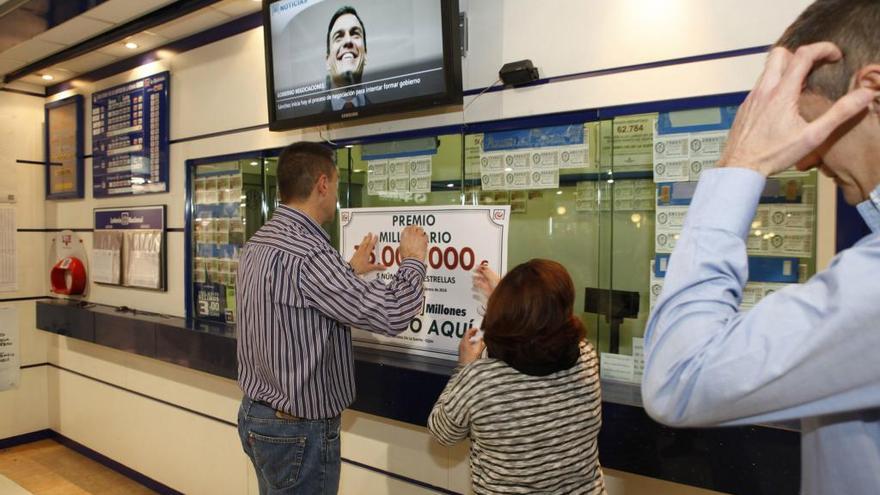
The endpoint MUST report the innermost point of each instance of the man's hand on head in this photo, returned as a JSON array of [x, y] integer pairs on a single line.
[[769, 134]]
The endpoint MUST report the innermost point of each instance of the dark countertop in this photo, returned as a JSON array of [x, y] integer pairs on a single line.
[[745, 459]]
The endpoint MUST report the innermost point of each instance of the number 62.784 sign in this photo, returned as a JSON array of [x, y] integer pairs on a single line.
[[460, 238]]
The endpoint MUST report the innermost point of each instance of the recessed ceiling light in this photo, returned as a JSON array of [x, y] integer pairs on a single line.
[[47, 77], [131, 45]]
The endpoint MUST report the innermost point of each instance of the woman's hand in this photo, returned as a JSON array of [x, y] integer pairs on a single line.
[[485, 280], [470, 348]]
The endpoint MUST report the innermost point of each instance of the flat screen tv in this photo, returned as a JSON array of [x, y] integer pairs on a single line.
[[334, 60]]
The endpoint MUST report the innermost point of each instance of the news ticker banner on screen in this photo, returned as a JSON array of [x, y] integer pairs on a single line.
[[130, 138], [460, 238]]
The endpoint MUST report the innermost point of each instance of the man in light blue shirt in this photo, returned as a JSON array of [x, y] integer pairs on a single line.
[[810, 351]]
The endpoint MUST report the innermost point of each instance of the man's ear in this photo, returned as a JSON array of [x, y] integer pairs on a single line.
[[869, 77], [322, 185]]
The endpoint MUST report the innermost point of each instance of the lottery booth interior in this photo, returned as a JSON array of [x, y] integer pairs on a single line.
[[604, 192]]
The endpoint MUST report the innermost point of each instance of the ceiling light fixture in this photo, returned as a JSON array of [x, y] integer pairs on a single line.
[[131, 45], [47, 77]]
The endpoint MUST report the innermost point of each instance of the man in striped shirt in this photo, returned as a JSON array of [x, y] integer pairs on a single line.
[[296, 299]]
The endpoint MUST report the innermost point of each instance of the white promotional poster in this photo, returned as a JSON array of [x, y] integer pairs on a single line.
[[460, 238], [10, 370]]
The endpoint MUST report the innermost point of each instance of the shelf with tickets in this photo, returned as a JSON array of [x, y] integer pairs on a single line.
[[226, 208], [411, 172], [536, 170], [781, 244]]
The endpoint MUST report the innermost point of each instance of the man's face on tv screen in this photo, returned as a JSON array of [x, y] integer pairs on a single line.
[[347, 56]]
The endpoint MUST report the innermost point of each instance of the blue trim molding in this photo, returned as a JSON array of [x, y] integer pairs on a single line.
[[116, 466], [628, 68]]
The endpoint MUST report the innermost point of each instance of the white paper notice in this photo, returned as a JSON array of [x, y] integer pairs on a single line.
[[399, 177], [655, 289], [664, 239], [683, 157], [616, 367], [574, 157], [105, 266], [586, 198], [9, 352], [671, 217], [534, 168], [638, 358], [144, 269], [8, 282]]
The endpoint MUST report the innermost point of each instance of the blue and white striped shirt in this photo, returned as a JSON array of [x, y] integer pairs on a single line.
[[296, 299]]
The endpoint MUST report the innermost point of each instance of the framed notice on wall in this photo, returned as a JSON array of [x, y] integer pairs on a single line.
[[129, 247], [130, 138], [460, 238], [64, 148]]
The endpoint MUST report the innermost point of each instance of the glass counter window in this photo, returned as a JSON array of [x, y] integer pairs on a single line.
[[227, 207], [551, 178], [668, 162], [606, 197]]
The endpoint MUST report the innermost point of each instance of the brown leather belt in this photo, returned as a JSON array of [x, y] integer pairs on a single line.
[[278, 414]]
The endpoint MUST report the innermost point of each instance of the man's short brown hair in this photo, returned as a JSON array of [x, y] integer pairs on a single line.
[[851, 25], [299, 167], [530, 322]]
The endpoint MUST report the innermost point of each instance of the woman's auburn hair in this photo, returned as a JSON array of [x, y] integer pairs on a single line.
[[529, 321]]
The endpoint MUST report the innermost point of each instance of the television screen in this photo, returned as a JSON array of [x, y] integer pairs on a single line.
[[329, 60]]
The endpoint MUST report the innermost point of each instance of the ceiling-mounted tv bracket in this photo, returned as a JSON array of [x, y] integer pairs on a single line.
[[463, 33]]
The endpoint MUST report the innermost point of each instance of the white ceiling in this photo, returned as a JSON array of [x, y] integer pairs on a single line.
[[104, 17]]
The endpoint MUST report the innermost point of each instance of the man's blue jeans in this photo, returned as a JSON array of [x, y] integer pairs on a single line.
[[291, 456]]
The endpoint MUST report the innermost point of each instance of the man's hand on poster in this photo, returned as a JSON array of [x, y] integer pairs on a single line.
[[362, 261], [470, 348], [414, 243]]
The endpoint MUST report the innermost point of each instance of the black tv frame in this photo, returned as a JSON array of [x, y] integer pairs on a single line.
[[449, 14]]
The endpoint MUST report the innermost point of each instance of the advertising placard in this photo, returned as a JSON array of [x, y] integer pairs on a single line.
[[460, 238]]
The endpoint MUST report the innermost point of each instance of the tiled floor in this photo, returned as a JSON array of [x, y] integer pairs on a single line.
[[49, 468]]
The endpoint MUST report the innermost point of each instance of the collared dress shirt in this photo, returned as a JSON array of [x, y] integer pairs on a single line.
[[296, 300], [806, 352]]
